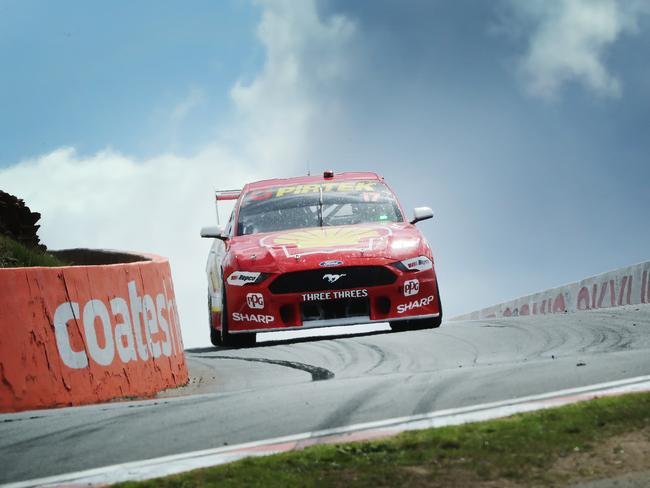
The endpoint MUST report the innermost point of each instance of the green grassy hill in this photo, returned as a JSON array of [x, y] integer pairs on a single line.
[[14, 255]]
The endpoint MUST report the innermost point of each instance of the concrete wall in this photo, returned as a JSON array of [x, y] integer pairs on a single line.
[[86, 334], [625, 286]]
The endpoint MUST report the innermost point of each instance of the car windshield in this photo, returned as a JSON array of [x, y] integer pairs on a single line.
[[317, 205]]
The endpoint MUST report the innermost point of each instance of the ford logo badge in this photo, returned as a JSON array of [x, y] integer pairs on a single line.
[[329, 264]]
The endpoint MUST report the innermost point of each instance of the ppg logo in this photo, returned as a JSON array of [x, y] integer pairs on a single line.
[[411, 287], [255, 300]]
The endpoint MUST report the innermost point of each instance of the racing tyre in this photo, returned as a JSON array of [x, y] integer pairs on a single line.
[[233, 340], [215, 335]]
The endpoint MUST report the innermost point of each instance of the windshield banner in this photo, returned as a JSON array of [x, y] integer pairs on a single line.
[[370, 187]]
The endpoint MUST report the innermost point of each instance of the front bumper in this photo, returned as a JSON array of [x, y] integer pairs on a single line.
[[255, 308]]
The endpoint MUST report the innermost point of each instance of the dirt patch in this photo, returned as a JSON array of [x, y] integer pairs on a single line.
[[622, 454], [619, 457], [455, 478]]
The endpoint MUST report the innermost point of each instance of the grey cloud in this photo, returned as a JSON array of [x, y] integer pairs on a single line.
[[570, 40]]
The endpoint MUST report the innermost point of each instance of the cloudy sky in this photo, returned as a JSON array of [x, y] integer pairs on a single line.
[[524, 124]]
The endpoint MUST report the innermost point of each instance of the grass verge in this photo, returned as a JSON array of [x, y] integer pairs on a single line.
[[13, 255], [545, 448]]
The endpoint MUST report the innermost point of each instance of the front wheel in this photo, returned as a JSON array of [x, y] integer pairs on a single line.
[[215, 335]]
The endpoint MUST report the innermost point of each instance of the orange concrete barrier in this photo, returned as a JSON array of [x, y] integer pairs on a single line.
[[86, 334]]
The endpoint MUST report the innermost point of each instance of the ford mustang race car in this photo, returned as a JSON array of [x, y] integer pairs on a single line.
[[318, 251]]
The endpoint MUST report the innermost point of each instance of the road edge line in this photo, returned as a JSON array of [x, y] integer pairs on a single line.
[[178, 463]]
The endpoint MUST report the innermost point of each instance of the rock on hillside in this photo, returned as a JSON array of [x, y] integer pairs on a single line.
[[18, 221]]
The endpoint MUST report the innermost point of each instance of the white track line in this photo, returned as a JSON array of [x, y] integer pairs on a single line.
[[167, 465]]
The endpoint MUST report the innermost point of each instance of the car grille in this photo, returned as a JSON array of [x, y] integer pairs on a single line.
[[317, 280], [334, 309]]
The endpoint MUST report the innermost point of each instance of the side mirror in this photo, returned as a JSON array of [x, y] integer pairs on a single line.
[[421, 213], [214, 231]]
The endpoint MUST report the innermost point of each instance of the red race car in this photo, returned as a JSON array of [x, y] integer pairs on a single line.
[[318, 251]]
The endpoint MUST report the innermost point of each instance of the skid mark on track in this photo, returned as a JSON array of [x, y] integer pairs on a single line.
[[349, 350], [317, 373], [352, 405], [336, 348], [331, 352], [470, 346], [431, 391], [381, 356]]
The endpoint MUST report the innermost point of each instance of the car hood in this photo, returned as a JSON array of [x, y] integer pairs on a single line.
[[295, 249]]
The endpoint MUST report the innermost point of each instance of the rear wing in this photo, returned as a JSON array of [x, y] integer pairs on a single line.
[[220, 195], [227, 194]]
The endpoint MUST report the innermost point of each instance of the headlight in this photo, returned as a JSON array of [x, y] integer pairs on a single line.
[[421, 263], [241, 278]]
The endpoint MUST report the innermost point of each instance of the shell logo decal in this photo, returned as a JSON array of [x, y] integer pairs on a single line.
[[332, 239], [335, 237]]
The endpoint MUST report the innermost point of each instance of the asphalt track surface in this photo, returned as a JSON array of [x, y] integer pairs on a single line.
[[283, 387]]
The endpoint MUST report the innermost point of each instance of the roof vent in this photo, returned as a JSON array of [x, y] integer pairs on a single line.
[[328, 174]]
